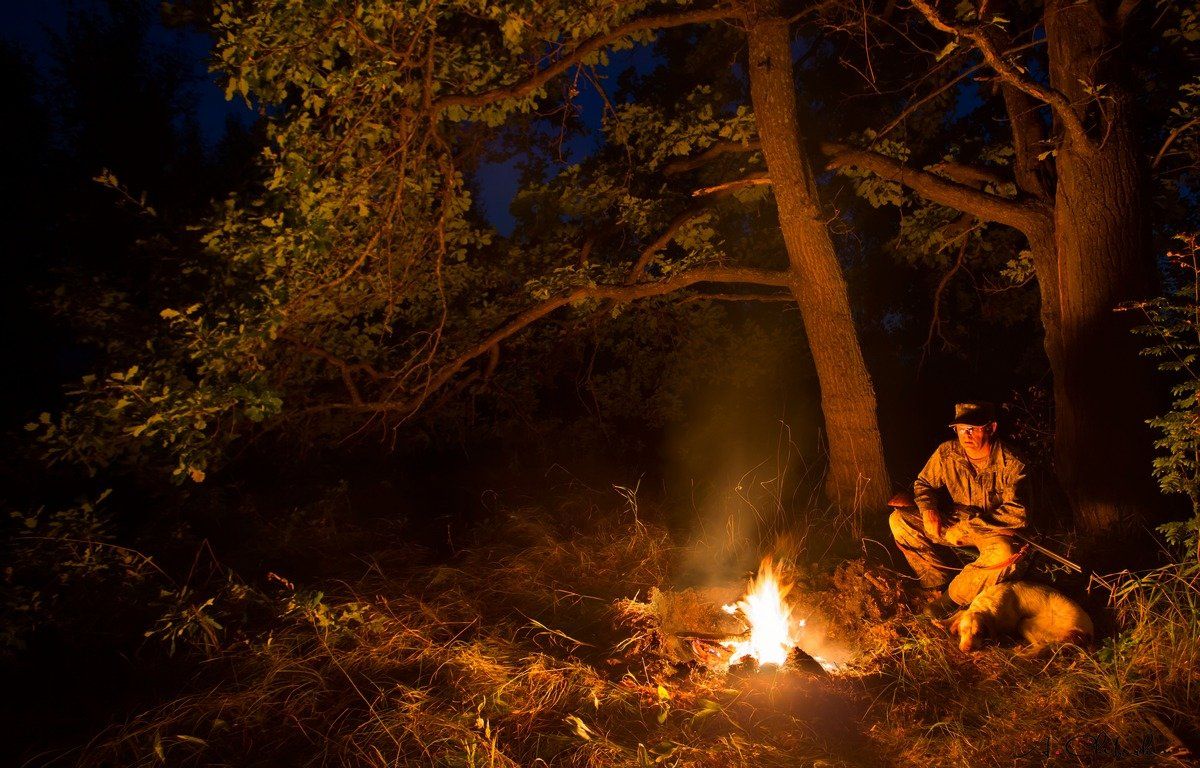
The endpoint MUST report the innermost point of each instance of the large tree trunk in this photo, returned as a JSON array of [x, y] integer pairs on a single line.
[[1101, 243], [1087, 222], [1035, 180], [857, 474]]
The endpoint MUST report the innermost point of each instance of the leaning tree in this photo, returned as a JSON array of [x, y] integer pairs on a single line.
[[362, 283]]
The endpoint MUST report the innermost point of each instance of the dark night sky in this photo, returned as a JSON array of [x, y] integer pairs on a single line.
[[31, 25], [498, 181]]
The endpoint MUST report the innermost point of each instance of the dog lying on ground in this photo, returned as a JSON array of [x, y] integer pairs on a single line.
[[1037, 613]]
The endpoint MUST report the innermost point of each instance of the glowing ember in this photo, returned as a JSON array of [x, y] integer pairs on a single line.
[[768, 617]]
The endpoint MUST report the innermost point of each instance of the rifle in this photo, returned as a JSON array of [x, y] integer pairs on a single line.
[[1069, 565], [904, 500]]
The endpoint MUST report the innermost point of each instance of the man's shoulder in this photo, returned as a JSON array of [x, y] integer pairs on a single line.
[[1010, 456], [948, 450], [944, 454]]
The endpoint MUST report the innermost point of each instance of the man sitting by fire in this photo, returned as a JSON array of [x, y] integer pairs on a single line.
[[970, 494]]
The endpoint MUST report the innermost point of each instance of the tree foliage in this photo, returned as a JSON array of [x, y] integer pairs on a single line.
[[360, 282], [1173, 330]]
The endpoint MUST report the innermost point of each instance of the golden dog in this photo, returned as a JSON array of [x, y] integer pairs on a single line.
[[1034, 612]]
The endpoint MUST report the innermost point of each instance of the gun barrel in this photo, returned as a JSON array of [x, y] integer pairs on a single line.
[[1050, 554], [904, 501]]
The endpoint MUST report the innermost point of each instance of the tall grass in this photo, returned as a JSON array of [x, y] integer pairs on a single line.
[[535, 646]]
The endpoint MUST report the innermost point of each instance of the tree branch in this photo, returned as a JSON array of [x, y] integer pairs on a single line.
[[978, 35], [1025, 215], [1175, 134], [648, 253], [716, 150], [914, 106], [531, 84], [618, 293], [344, 367], [970, 175], [935, 322], [753, 180], [741, 297], [1126, 9], [1028, 138]]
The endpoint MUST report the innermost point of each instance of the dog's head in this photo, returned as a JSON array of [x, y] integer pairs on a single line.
[[971, 628]]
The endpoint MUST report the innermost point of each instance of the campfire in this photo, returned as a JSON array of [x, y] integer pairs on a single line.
[[744, 628], [772, 637], [768, 619]]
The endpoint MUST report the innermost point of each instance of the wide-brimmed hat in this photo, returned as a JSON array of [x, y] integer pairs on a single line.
[[973, 414]]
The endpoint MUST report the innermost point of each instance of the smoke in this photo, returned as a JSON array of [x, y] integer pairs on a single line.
[[741, 452]]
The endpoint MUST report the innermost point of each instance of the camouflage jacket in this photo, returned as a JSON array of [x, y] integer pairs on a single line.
[[994, 495]]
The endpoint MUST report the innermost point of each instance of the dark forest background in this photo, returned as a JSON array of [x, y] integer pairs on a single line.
[[109, 93], [143, 437]]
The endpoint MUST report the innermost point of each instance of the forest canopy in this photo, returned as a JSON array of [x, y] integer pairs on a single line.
[[360, 283]]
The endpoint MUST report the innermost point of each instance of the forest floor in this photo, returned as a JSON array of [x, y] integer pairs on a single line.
[[532, 644]]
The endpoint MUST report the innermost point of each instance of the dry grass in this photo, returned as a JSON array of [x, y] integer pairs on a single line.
[[1124, 704], [533, 647]]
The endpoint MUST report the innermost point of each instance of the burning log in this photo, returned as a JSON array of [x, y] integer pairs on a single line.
[[738, 629], [693, 624], [802, 661]]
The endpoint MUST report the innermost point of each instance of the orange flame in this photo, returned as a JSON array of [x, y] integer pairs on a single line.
[[765, 611]]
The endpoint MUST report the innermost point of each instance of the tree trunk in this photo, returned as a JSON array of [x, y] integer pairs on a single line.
[[1101, 243], [1035, 180], [858, 477]]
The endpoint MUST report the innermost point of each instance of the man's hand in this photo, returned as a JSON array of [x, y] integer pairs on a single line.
[[956, 534], [931, 521]]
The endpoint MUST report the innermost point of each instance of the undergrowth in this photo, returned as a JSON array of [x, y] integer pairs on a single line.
[[533, 646]]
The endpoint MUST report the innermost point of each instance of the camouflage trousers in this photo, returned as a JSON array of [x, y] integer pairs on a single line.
[[992, 566]]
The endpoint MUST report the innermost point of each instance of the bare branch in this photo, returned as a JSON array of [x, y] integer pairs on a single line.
[[978, 35], [970, 175], [716, 150], [1175, 134], [811, 10], [660, 242], [935, 322], [346, 368], [753, 180], [913, 107], [1025, 215], [617, 293], [531, 84], [741, 297]]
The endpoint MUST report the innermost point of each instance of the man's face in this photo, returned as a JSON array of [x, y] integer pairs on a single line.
[[975, 439]]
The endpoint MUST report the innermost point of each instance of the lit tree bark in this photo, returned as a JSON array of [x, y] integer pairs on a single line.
[[1087, 223], [857, 474], [1101, 238]]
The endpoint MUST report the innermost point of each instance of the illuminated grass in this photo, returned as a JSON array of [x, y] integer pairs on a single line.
[[532, 647]]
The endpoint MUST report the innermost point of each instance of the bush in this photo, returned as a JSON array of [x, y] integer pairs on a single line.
[[1174, 328]]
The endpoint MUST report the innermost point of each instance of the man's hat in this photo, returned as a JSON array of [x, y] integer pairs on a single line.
[[974, 414]]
